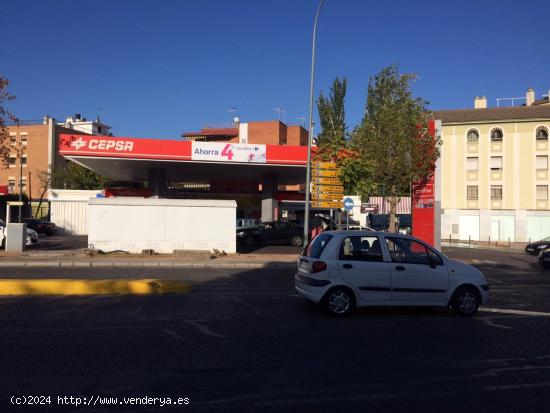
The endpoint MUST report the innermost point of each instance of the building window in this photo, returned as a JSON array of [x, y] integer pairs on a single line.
[[542, 192], [496, 163], [24, 140], [496, 192], [473, 136], [11, 161], [13, 139], [542, 162], [542, 133], [471, 193], [11, 185], [24, 184], [496, 135], [24, 161], [472, 163]]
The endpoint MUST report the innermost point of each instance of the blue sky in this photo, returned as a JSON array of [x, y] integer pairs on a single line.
[[158, 68]]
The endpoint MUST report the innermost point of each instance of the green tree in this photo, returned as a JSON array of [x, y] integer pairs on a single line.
[[74, 176], [393, 141], [332, 116], [5, 117]]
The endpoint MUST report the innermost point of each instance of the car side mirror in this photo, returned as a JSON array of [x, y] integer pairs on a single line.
[[432, 262]]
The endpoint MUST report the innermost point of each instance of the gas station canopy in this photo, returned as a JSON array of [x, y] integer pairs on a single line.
[[131, 159]]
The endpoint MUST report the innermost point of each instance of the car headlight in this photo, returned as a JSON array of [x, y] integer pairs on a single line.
[[240, 234], [541, 247]]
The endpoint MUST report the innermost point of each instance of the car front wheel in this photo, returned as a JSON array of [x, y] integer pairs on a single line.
[[339, 301], [465, 302]]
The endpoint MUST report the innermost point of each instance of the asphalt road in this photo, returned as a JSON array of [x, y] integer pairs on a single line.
[[244, 341]]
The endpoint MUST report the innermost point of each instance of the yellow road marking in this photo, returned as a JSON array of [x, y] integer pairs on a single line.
[[61, 286]]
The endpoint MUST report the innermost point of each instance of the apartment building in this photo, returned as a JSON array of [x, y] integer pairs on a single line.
[[264, 132], [35, 151], [494, 167]]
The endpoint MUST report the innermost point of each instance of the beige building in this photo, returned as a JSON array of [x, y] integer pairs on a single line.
[[494, 171]]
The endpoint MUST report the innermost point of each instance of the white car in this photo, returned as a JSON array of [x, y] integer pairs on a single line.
[[30, 239], [347, 269]]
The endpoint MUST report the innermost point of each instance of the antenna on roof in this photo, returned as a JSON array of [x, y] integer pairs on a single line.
[[280, 110]]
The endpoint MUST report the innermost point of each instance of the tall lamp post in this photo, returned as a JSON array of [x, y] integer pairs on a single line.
[[20, 158], [310, 130]]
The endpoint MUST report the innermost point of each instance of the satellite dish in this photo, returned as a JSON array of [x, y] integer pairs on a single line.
[[235, 120]]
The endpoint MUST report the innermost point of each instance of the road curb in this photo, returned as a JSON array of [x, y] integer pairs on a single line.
[[62, 286], [146, 264]]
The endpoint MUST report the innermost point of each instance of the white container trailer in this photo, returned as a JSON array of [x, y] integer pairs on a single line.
[[163, 225], [69, 209]]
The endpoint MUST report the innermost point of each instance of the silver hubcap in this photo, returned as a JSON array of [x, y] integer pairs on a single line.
[[467, 302], [339, 302]]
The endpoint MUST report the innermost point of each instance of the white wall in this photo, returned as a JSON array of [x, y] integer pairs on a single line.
[[69, 209], [135, 224]]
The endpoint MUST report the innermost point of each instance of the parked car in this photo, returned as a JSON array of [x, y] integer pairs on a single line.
[[31, 236], [272, 233], [356, 227], [544, 258], [346, 269], [536, 247], [41, 226]]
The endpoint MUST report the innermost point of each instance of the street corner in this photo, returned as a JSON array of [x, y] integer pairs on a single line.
[[60, 286]]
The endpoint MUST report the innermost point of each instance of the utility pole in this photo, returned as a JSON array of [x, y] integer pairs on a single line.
[[310, 131], [20, 157]]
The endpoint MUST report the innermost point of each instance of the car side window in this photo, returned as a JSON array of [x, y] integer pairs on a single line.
[[435, 258], [408, 251], [358, 248]]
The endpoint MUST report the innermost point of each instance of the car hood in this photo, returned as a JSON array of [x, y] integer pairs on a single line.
[[460, 268]]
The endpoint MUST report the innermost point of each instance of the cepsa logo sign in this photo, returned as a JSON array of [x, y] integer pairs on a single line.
[[103, 145]]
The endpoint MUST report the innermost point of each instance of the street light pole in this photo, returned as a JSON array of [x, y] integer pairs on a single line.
[[20, 156], [310, 130]]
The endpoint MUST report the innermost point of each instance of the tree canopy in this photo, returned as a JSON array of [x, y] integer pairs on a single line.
[[74, 176], [332, 116], [5, 117], [393, 141]]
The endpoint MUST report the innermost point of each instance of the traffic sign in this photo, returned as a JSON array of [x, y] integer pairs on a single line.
[[324, 165], [326, 204], [327, 188], [326, 196], [348, 204], [325, 173], [325, 181]]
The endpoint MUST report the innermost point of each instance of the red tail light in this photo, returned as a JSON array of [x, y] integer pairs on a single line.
[[318, 266]]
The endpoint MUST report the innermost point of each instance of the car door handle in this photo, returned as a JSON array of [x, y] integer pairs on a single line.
[[400, 268], [347, 266]]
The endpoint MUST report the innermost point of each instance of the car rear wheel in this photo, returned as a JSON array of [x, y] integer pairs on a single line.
[[339, 301], [296, 241], [465, 302]]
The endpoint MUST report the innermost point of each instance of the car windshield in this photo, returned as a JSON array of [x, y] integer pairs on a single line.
[[547, 239]]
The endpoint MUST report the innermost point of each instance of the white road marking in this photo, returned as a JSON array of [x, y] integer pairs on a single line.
[[515, 312], [173, 334], [489, 321], [517, 386], [238, 300], [204, 330]]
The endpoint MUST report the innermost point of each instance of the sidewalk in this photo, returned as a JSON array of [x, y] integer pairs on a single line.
[[496, 246], [79, 259]]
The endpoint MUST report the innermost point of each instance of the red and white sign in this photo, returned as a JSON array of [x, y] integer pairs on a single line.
[[423, 205], [178, 150], [232, 152]]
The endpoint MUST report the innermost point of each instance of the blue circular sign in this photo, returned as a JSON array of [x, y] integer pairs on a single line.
[[348, 204]]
